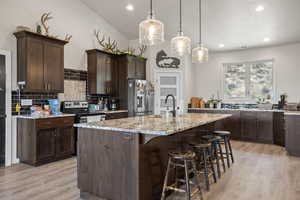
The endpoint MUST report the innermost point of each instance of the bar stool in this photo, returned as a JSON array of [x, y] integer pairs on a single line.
[[205, 161], [217, 151], [182, 160], [225, 135]]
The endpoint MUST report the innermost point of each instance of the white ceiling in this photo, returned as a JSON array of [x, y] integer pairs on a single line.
[[229, 22]]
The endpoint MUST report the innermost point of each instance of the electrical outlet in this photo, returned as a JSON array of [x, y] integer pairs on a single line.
[[26, 102]]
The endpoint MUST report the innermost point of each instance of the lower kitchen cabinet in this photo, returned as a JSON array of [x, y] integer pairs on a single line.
[[253, 126], [42, 141], [117, 115]]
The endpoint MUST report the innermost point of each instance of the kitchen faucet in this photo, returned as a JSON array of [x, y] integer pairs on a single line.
[[174, 102]]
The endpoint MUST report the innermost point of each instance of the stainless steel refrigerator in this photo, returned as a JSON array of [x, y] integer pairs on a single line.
[[2, 110], [140, 98]]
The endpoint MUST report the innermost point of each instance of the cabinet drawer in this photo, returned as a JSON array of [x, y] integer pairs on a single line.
[[55, 122]]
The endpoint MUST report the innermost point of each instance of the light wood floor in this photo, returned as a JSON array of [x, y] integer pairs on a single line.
[[261, 172]]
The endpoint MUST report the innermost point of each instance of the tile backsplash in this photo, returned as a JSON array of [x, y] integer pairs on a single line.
[[75, 90], [39, 99]]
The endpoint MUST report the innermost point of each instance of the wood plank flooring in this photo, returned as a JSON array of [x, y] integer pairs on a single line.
[[261, 172]]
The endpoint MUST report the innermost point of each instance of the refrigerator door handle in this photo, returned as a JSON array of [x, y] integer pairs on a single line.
[[2, 116]]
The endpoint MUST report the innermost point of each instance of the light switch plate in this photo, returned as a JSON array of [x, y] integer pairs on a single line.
[[26, 102]]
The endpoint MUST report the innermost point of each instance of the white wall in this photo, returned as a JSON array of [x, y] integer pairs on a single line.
[[286, 64], [186, 70], [70, 16]]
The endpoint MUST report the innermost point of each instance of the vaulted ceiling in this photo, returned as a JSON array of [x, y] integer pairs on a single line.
[[234, 23]]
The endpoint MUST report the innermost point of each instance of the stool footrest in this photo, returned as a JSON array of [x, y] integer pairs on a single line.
[[175, 189]]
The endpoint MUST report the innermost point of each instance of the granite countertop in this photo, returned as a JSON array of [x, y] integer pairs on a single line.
[[44, 117], [292, 112], [155, 124], [240, 109]]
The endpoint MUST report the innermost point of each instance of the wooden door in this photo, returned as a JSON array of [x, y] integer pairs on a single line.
[[265, 127], [46, 144], [65, 142], [54, 67], [249, 125], [34, 74]]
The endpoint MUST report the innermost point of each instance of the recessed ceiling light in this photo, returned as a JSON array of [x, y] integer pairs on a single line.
[[260, 8], [267, 39], [221, 45], [129, 7]]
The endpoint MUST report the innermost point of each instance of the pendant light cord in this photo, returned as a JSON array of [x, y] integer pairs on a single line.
[[200, 22], [180, 16], [151, 9]]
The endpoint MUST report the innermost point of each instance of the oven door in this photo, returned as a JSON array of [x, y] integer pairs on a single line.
[[93, 118]]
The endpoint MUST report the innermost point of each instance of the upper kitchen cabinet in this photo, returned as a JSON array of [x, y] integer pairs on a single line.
[[134, 67], [102, 72], [40, 62]]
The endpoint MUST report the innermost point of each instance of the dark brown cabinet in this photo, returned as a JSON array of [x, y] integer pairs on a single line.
[[135, 66], [248, 125], [116, 115], [45, 140], [265, 127], [102, 73], [40, 62], [255, 126]]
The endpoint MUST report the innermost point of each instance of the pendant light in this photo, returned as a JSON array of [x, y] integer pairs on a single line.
[[151, 31], [180, 45], [200, 53]]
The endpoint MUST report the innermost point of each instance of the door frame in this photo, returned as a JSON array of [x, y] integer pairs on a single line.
[[8, 126], [158, 74]]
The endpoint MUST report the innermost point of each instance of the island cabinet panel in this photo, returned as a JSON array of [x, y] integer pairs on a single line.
[[264, 127], [127, 166], [42, 141], [114, 158], [40, 62]]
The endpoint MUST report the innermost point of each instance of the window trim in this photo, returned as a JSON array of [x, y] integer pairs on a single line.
[[247, 99]]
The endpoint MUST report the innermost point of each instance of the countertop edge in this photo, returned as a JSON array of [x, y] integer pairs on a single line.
[[44, 117], [149, 132]]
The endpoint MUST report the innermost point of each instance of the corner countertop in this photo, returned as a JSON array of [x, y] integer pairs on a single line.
[[155, 124], [44, 117]]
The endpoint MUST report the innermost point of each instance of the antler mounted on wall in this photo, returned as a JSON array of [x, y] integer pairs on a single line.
[[68, 37], [46, 17], [109, 45], [142, 50], [130, 51]]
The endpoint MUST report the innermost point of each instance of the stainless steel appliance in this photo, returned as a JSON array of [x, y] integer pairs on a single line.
[[140, 98], [2, 110], [82, 114]]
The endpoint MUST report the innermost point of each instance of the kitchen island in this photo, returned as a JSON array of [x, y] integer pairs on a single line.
[[125, 159]]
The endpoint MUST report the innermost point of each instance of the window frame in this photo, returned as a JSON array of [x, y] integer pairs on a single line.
[[247, 99]]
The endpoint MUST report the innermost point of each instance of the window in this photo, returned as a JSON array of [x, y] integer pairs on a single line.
[[168, 83], [248, 81]]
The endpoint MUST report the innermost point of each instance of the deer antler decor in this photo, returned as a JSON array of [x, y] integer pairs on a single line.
[[142, 50], [130, 51], [46, 17], [68, 37], [109, 46]]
